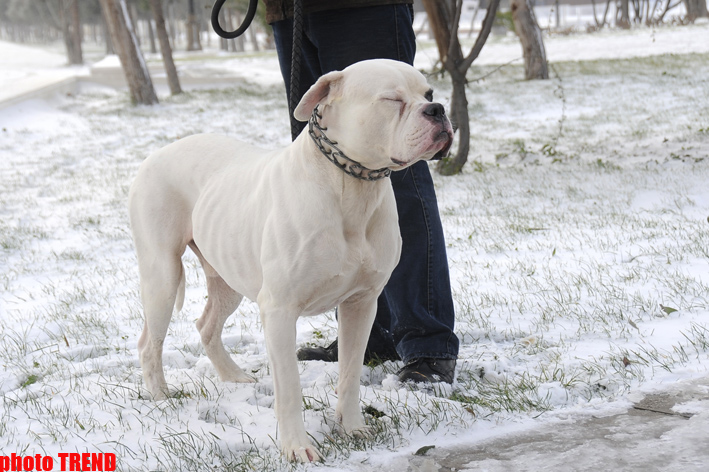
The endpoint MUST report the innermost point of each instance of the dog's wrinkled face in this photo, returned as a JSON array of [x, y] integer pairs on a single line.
[[381, 113]]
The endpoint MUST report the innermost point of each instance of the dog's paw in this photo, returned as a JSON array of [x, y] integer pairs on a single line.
[[356, 427], [155, 393], [229, 371], [237, 377], [362, 432], [303, 454], [158, 396]]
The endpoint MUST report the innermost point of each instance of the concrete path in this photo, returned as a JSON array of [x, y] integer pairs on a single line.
[[663, 432], [28, 72]]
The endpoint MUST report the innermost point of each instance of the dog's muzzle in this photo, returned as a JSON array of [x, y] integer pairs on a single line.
[[448, 137], [436, 114]]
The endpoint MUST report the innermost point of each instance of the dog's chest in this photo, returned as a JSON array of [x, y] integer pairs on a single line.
[[362, 266], [363, 261]]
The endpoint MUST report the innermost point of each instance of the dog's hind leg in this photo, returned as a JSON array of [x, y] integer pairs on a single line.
[[160, 278], [222, 300], [160, 223]]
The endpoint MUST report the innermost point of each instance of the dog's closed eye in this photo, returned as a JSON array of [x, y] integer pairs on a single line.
[[397, 101]]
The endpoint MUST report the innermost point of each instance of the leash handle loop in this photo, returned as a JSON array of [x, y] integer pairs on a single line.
[[250, 13]]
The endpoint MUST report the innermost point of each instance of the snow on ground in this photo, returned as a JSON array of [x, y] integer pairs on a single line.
[[578, 243], [605, 44], [24, 69]]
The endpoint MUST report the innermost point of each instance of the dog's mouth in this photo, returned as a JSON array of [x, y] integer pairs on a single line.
[[440, 144], [446, 137]]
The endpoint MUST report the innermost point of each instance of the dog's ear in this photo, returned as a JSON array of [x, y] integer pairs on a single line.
[[325, 90]]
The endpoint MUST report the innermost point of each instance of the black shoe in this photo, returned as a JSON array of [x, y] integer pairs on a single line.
[[427, 370], [318, 353], [329, 354]]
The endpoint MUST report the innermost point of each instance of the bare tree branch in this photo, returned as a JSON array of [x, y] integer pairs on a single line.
[[484, 33]]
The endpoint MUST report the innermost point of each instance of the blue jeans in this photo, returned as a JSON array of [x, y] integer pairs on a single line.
[[415, 313]]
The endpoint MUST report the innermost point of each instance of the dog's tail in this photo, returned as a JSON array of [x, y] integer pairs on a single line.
[[180, 298]]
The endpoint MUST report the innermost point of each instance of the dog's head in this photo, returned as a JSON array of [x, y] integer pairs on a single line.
[[381, 113]]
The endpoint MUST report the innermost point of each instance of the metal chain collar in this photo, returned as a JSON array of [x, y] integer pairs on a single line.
[[336, 156]]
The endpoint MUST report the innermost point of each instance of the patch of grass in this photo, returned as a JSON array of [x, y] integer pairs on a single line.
[[31, 379]]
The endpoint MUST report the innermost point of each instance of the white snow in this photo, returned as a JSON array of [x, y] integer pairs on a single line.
[[564, 246], [24, 69]]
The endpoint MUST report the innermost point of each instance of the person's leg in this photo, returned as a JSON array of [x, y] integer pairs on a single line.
[[344, 37], [419, 292], [310, 69]]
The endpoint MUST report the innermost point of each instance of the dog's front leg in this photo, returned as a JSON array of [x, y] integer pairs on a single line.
[[280, 329], [355, 318]]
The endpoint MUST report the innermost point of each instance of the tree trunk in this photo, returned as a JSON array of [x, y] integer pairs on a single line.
[[238, 44], [107, 36], [605, 13], [151, 36], [124, 40], [132, 10], [595, 18], [624, 21], [253, 38], [461, 120], [440, 15], [557, 7], [172, 23], [165, 49], [71, 26], [223, 42], [696, 9], [667, 8], [191, 23], [439, 20], [198, 27], [76, 31], [530, 35]]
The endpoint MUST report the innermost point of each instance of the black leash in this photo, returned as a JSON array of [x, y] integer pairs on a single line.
[[294, 91], [250, 13], [295, 126]]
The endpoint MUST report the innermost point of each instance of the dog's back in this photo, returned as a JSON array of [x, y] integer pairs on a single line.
[[170, 181]]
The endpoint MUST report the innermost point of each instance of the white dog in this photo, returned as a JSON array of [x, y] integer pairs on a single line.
[[287, 229]]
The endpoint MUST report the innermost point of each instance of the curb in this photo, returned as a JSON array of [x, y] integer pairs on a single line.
[[65, 85]]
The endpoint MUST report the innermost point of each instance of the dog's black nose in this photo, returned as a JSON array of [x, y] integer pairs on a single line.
[[435, 111]]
